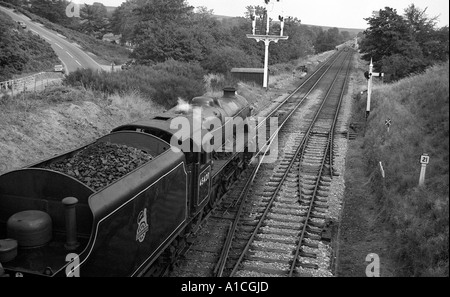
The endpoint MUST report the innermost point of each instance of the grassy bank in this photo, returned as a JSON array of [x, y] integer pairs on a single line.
[[22, 52], [104, 52], [37, 126], [418, 216]]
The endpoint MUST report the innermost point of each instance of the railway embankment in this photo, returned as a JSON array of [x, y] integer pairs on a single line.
[[36, 126], [405, 225]]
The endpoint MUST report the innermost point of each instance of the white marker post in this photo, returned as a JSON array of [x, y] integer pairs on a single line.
[[424, 160], [382, 170]]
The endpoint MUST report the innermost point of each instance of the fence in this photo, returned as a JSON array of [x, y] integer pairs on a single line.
[[33, 83]]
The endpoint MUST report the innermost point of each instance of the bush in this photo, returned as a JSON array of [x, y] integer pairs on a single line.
[[163, 83]]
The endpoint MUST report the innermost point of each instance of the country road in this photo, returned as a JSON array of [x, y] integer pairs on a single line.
[[71, 55]]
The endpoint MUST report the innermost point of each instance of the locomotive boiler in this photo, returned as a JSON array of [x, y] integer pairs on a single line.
[[125, 203]]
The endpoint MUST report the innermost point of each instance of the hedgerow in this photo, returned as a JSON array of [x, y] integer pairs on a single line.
[[163, 83]]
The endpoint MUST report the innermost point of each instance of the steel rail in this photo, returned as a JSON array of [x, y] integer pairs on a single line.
[[227, 245], [329, 148], [229, 240], [330, 62]]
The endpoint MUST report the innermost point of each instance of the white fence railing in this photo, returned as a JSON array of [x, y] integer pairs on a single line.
[[32, 83]]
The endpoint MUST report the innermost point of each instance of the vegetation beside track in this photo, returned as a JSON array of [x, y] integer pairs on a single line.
[[416, 219]]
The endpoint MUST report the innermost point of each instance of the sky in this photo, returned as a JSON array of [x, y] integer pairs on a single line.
[[331, 13]]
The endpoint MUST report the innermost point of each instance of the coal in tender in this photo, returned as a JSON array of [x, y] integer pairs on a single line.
[[101, 163]]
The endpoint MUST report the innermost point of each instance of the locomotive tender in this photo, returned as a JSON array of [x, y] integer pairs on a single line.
[[123, 228]]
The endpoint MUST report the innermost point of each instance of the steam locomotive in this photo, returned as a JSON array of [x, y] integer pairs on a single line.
[[55, 224]]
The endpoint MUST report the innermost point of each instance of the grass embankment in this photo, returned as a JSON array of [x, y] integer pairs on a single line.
[[418, 216], [37, 126], [21, 51], [104, 52]]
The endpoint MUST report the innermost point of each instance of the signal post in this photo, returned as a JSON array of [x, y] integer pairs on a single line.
[[369, 86], [267, 39]]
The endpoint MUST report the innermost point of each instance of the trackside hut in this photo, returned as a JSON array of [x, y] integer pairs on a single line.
[[249, 75]]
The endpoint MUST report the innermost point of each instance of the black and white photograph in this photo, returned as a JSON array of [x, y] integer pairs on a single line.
[[224, 147]]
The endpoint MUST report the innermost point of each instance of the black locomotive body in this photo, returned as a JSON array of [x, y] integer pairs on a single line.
[[122, 228]]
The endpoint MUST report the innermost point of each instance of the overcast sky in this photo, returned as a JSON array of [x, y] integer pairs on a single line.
[[332, 13]]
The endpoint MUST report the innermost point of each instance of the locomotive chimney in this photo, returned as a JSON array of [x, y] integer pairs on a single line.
[[71, 223], [229, 92]]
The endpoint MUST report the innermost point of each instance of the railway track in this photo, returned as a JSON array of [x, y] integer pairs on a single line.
[[271, 222]]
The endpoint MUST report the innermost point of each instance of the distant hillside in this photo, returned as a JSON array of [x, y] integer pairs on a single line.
[[352, 31], [21, 51]]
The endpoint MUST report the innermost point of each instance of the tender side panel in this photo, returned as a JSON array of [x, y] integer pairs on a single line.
[[135, 223]]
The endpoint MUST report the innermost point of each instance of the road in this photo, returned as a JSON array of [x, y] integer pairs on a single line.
[[71, 55]]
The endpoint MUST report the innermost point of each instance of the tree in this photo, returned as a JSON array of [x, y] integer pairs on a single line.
[[161, 30], [345, 35], [124, 20], [299, 44], [328, 40], [53, 10], [430, 40], [387, 32], [174, 42], [400, 45], [94, 20]]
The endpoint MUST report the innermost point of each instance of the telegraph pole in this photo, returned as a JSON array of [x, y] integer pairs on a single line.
[[267, 39]]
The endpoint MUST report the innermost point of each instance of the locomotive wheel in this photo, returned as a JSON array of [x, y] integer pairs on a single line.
[[220, 192], [214, 197], [227, 184], [197, 220]]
